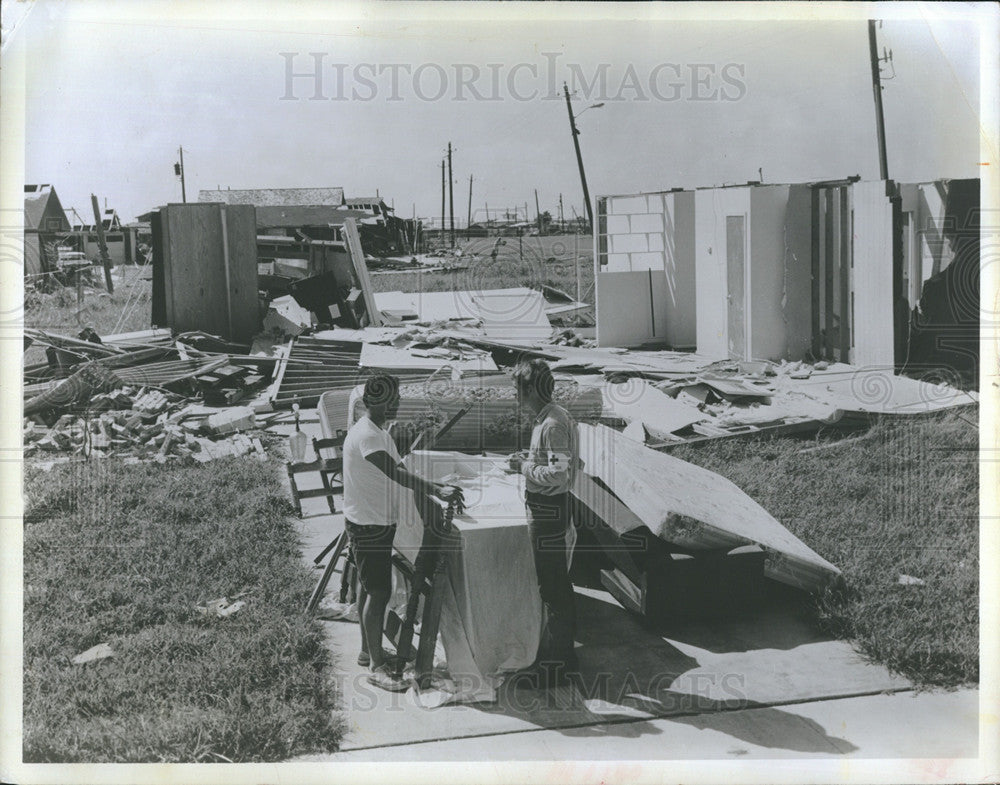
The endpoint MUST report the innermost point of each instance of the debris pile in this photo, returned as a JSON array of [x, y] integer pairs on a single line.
[[143, 425]]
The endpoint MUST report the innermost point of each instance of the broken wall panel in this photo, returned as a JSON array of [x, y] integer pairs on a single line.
[[651, 234], [697, 509], [631, 308], [207, 256]]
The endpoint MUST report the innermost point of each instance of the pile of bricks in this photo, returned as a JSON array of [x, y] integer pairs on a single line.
[[138, 424]]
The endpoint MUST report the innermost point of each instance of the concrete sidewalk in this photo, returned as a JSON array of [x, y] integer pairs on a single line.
[[902, 725], [765, 686]]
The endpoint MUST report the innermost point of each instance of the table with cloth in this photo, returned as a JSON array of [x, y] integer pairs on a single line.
[[491, 614]]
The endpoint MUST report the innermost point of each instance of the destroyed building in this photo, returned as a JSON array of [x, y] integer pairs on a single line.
[[825, 270]]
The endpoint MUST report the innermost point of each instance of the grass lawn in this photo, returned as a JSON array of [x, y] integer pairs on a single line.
[[126, 310], [901, 500], [123, 554], [526, 261]]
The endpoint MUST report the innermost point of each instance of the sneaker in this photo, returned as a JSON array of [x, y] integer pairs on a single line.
[[385, 680]]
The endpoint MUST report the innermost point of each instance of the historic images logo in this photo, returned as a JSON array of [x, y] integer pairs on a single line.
[[311, 76]]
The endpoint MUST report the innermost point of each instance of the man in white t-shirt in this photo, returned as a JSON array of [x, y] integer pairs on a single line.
[[373, 475]]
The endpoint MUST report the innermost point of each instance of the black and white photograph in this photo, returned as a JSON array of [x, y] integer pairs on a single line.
[[499, 392]]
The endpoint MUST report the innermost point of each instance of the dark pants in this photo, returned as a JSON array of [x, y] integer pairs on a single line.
[[548, 522]]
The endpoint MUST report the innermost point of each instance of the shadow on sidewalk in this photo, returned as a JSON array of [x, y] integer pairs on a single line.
[[629, 673]]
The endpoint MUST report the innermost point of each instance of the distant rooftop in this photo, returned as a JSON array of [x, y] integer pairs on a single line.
[[277, 197]]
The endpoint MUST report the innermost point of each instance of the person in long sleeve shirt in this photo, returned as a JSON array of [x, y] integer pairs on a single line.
[[549, 470]]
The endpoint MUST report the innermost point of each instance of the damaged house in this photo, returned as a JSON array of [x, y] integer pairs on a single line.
[[844, 270], [305, 214], [45, 226]]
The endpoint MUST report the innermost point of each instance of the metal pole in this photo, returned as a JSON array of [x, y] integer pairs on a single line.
[[468, 220], [442, 200], [883, 163], [576, 264], [183, 189], [579, 158], [451, 198], [102, 244]]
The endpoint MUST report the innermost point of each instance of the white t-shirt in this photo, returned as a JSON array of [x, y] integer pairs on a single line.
[[370, 498]]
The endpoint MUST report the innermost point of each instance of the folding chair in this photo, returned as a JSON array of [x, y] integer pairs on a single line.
[[330, 471], [426, 579], [348, 574]]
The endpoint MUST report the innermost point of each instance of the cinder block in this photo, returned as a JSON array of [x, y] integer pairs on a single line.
[[650, 222], [617, 263], [618, 224], [655, 242], [628, 243], [627, 204]]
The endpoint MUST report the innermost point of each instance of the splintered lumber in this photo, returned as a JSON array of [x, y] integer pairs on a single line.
[[696, 509], [96, 377], [361, 271]]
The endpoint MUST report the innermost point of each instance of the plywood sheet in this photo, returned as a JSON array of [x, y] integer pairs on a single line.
[[638, 401], [210, 267], [694, 508]]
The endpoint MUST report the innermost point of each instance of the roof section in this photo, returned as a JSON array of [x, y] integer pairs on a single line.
[[296, 216], [41, 202], [277, 197], [367, 200]]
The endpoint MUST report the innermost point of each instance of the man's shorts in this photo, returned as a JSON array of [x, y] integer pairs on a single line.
[[372, 547]]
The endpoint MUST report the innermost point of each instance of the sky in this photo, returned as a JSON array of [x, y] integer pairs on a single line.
[[113, 89]]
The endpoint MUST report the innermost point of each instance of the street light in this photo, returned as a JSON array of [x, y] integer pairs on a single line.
[[579, 158], [592, 106]]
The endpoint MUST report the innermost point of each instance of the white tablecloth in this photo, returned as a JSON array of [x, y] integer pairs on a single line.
[[492, 614]]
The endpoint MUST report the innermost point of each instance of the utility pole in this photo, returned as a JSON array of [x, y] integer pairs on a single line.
[[579, 158], [451, 198], [468, 220], [179, 169], [883, 163], [538, 214], [442, 200], [102, 243], [562, 223]]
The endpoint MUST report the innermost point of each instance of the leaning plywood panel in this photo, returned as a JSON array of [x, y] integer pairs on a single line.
[[210, 269], [871, 290], [694, 508]]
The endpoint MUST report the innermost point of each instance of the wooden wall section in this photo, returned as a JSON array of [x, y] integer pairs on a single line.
[[209, 268]]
